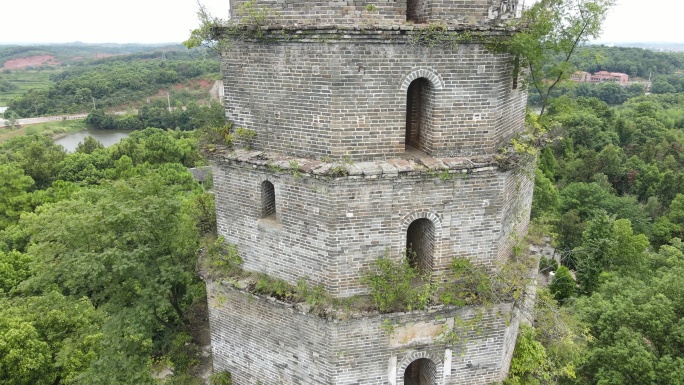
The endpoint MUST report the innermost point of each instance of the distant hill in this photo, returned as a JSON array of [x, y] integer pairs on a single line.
[[654, 46], [71, 78], [20, 56]]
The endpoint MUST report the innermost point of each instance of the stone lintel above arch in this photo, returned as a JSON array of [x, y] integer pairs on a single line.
[[428, 73]]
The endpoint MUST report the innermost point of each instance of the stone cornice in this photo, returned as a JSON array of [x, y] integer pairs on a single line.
[[406, 33], [413, 163]]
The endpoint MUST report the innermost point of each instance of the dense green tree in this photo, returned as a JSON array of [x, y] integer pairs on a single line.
[[156, 146], [611, 160], [545, 198], [588, 199], [24, 358], [89, 145], [637, 325], [563, 285], [37, 155], [129, 247], [14, 197], [528, 366], [608, 245], [108, 241], [551, 351], [6, 86], [14, 268], [645, 179], [595, 253], [11, 118], [97, 280], [635, 89], [50, 339], [630, 256], [661, 86], [88, 168], [570, 227], [612, 93], [98, 118], [547, 163]]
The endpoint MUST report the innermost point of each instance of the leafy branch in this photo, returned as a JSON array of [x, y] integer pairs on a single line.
[[216, 33], [552, 28]]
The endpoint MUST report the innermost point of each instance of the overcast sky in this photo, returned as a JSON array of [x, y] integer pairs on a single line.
[[162, 21]]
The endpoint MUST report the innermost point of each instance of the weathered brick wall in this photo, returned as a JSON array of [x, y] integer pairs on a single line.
[[386, 12], [348, 98], [512, 107], [260, 340], [516, 203], [331, 230], [329, 84]]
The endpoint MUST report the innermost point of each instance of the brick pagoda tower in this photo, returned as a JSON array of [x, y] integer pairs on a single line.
[[376, 126]]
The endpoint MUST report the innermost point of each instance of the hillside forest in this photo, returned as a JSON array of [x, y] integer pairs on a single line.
[[110, 79], [99, 247]]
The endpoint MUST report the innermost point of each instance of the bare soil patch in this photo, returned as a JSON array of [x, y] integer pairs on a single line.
[[194, 84], [30, 61]]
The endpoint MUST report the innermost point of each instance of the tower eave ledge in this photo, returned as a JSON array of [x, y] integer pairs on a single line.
[[364, 27], [413, 162]]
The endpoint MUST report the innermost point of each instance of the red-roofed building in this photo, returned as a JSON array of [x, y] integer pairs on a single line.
[[600, 77]]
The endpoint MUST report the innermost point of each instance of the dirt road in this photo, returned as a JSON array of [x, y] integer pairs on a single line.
[[43, 119]]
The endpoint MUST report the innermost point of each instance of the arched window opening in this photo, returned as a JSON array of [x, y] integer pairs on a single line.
[[418, 113], [420, 244], [421, 372], [268, 205]]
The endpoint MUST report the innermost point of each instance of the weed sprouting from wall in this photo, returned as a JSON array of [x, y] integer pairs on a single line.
[[394, 286], [226, 135], [397, 286]]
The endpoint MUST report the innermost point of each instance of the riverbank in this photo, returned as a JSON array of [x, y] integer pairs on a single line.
[[55, 129]]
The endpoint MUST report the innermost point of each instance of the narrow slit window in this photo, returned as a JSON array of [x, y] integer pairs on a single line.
[[268, 203]]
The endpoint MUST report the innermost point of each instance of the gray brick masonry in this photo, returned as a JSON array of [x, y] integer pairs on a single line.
[[260, 340], [331, 230], [348, 98], [368, 138], [302, 12]]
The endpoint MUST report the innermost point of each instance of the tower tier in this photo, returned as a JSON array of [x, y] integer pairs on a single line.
[[371, 95], [309, 223], [261, 341]]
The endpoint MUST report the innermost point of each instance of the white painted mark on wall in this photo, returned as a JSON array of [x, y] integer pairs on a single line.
[[392, 370], [447, 366]]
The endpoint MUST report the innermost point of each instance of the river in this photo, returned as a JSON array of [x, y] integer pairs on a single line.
[[106, 137]]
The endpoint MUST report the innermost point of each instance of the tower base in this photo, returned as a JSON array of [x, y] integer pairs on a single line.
[[264, 341]]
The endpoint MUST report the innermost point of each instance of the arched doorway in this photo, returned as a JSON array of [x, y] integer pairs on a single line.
[[420, 244], [421, 372], [418, 113]]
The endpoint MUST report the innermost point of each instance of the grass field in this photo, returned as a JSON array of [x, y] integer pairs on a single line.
[[25, 80], [53, 129]]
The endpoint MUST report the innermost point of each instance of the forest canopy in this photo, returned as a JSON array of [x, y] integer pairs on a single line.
[[97, 257]]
